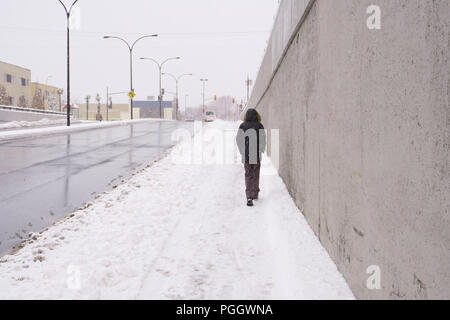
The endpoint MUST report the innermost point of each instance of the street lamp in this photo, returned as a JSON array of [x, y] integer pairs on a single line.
[[131, 47], [68, 57], [204, 85], [60, 93], [177, 80], [97, 117], [88, 97], [160, 65]]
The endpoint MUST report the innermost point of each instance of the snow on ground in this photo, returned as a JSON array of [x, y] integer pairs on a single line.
[[29, 124], [178, 231], [78, 126]]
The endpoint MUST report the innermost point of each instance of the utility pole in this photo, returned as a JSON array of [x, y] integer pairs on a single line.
[[204, 85], [68, 56]]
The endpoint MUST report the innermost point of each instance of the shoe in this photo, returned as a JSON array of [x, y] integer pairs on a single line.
[[250, 203]]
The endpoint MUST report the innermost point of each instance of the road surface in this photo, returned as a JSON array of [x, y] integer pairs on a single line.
[[44, 179]]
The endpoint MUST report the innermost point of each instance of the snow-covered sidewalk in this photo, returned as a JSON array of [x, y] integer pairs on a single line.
[[178, 231]]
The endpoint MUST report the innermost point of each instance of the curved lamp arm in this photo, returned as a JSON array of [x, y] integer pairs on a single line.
[[184, 75], [70, 9], [134, 43], [119, 38], [148, 36], [151, 59], [173, 58], [170, 75]]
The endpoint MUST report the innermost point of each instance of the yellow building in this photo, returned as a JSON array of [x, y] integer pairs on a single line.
[[14, 85], [118, 112], [45, 97]]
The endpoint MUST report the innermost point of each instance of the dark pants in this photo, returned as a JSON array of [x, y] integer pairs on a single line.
[[252, 180]]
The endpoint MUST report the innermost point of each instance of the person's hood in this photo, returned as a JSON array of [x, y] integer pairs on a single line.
[[252, 116]]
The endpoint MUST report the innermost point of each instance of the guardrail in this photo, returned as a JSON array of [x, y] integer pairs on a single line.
[[13, 108]]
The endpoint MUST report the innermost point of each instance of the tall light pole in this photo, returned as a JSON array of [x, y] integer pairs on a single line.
[[204, 85], [160, 65], [68, 56], [131, 47], [177, 81]]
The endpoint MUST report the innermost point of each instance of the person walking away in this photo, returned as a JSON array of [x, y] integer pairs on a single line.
[[251, 141]]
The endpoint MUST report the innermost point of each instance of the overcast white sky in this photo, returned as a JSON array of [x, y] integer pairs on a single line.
[[222, 40]]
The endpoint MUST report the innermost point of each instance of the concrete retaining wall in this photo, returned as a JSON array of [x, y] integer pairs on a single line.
[[9, 116], [364, 123]]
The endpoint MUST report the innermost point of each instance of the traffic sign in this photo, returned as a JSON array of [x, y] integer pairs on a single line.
[[131, 94]]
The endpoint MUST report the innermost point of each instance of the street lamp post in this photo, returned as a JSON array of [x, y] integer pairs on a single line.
[[60, 92], [177, 80], [88, 97], [204, 85], [130, 47], [160, 65], [98, 116], [68, 57]]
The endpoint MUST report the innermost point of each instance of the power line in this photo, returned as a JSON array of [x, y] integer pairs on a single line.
[[101, 33]]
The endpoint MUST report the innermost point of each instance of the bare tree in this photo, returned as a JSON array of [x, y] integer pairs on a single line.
[[22, 102], [38, 100], [4, 98]]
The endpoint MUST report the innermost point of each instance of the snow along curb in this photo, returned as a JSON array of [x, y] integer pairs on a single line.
[[40, 132]]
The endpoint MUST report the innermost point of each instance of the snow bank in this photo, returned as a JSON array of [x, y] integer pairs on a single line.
[[28, 124], [79, 126], [178, 231]]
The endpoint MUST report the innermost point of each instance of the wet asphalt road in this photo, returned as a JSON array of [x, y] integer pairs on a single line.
[[44, 179]]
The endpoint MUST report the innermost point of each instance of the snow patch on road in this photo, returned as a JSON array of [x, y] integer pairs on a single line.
[[177, 231]]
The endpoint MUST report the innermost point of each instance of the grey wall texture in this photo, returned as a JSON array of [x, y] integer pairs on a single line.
[[364, 122]]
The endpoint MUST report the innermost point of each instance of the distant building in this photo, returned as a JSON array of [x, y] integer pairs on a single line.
[[44, 97], [117, 112], [14, 85], [151, 109]]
